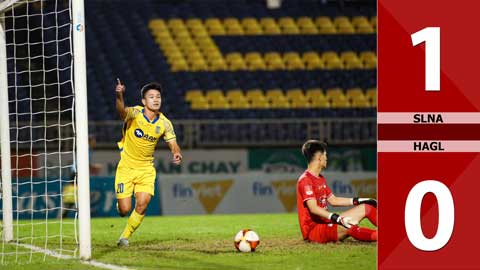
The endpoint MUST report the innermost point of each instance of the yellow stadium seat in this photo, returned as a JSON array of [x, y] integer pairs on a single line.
[[198, 65], [306, 25], [329, 55], [270, 26], [235, 94], [254, 61], [299, 104], [274, 61], [260, 104], [335, 93], [200, 105], [293, 61], [340, 104], [297, 99], [288, 25], [323, 21], [320, 102], [334, 63], [325, 25], [233, 26], [214, 94], [347, 55], [219, 105], [218, 64], [156, 23], [313, 61], [360, 103], [353, 63], [274, 94], [254, 94], [176, 24], [372, 95], [356, 92], [280, 104], [175, 58], [314, 93], [214, 26], [194, 23], [193, 94], [295, 93], [235, 62], [179, 65], [343, 25], [362, 25], [251, 26], [241, 103]]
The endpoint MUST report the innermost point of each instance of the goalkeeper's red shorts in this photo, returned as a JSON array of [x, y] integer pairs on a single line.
[[323, 233]]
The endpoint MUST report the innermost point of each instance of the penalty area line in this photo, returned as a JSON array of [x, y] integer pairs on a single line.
[[69, 257]]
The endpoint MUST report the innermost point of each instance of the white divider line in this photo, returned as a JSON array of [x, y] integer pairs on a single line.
[[69, 257], [409, 117]]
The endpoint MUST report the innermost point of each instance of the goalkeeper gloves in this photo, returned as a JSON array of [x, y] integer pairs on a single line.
[[369, 201], [346, 222]]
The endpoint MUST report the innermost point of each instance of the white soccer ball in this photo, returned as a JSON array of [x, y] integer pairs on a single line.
[[246, 240]]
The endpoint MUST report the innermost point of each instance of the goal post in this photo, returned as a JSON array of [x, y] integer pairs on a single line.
[[6, 188], [43, 131], [81, 114]]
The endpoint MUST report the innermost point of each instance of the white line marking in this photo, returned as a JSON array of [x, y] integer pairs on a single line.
[[69, 257]]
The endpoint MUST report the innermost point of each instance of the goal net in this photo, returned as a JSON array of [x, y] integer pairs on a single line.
[[41, 167]]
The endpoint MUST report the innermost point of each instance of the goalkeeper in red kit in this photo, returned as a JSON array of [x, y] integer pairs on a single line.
[[313, 197]]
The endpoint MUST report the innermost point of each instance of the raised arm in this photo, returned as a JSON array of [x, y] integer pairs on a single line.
[[175, 149], [120, 104]]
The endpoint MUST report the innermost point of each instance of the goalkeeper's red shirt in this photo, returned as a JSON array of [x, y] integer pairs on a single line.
[[310, 187]]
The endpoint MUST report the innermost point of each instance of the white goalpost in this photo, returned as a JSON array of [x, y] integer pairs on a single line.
[[45, 190]]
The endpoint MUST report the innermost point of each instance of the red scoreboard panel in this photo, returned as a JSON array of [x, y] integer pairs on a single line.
[[428, 134]]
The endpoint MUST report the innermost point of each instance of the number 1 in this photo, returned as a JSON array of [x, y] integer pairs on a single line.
[[431, 36]]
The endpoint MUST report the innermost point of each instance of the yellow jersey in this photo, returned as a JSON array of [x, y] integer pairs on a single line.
[[140, 136]]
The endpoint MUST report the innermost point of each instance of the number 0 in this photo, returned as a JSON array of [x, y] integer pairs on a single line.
[[431, 36], [446, 215]]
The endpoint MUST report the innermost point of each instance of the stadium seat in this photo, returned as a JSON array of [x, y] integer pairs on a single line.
[[235, 62], [313, 61], [325, 25], [343, 25], [233, 26], [288, 25], [254, 61], [274, 61], [251, 26], [335, 94], [214, 26], [306, 25], [293, 61], [270, 26]]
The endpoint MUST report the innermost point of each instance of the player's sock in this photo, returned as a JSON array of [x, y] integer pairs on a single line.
[[371, 214], [134, 221], [362, 234]]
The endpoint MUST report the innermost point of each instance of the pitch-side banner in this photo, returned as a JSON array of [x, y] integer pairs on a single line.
[[428, 134], [249, 192]]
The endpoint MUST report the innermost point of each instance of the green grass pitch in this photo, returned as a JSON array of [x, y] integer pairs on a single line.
[[206, 242]]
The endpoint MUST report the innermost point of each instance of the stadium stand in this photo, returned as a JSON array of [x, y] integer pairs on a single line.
[[234, 60]]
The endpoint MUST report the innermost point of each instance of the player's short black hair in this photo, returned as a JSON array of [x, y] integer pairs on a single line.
[[311, 147], [149, 86]]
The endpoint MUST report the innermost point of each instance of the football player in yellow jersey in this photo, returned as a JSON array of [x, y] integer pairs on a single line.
[[142, 129]]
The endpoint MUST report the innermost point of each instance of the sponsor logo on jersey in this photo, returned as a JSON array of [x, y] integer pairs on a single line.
[[140, 134]]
